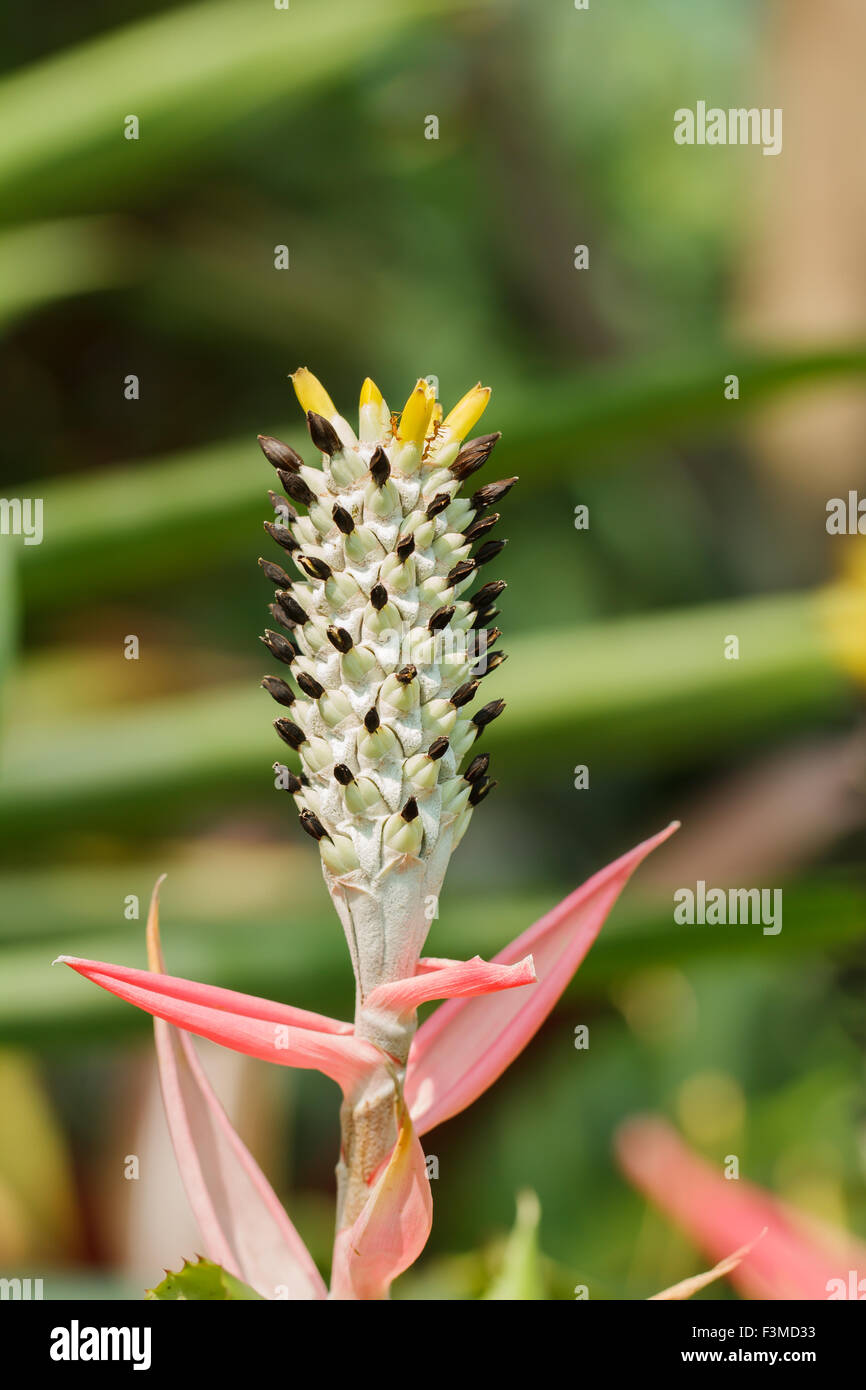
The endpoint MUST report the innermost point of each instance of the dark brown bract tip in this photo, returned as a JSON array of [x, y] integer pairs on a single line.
[[295, 487], [380, 468], [492, 493], [480, 527], [340, 638], [343, 519], [313, 826], [291, 607], [279, 690], [290, 733], [487, 714], [310, 685], [314, 566], [466, 692], [282, 536], [489, 551], [461, 571], [404, 547], [477, 767], [487, 594], [483, 787], [323, 434], [441, 618], [279, 454], [279, 646], [275, 573]]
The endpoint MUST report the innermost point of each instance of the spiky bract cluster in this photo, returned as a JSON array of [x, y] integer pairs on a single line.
[[385, 651]]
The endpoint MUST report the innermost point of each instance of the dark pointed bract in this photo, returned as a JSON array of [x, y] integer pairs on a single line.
[[290, 733], [487, 664], [313, 826], [279, 646], [404, 547], [343, 519], [314, 566], [279, 690], [280, 616], [487, 714], [310, 685], [441, 618], [461, 571], [286, 512], [489, 551], [297, 489], [474, 455], [492, 493], [466, 692], [293, 609], [480, 527], [487, 594], [483, 787], [477, 767], [340, 638], [439, 503], [275, 573], [323, 434], [282, 536], [279, 454], [380, 468]]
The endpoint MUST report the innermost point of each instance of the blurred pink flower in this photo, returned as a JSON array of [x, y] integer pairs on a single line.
[[794, 1258]]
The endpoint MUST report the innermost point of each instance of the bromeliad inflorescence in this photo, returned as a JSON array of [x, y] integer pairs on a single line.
[[388, 653], [385, 649]]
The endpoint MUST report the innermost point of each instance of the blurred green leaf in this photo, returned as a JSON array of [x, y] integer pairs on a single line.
[[46, 261], [521, 1277], [188, 74]]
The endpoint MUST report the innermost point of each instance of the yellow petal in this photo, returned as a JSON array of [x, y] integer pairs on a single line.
[[467, 411], [416, 414], [374, 415], [370, 393], [312, 394]]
